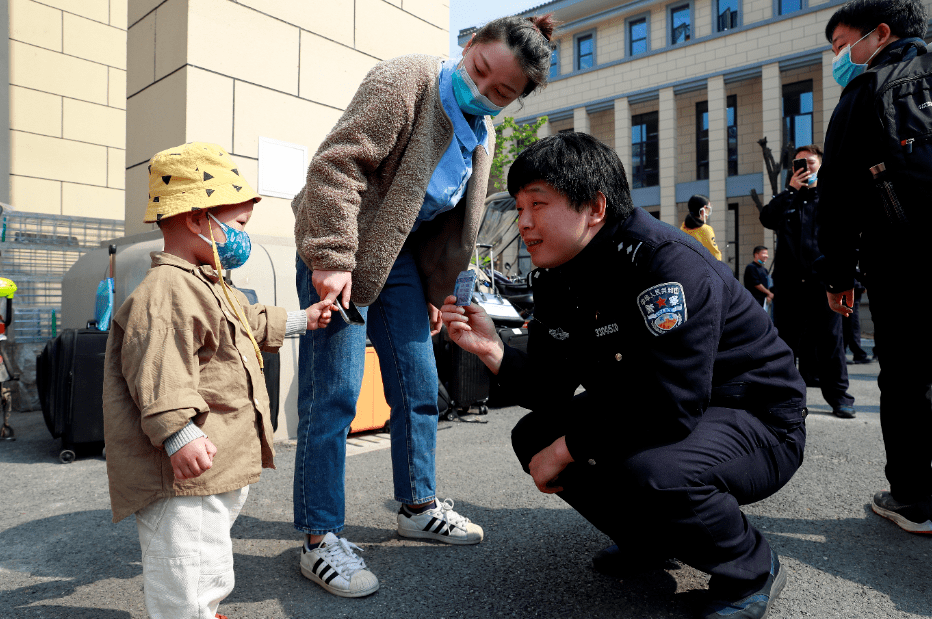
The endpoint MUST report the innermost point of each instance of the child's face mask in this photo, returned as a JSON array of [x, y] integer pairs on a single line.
[[235, 251]]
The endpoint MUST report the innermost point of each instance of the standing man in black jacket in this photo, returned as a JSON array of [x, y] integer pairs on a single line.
[[692, 404], [876, 43], [812, 331]]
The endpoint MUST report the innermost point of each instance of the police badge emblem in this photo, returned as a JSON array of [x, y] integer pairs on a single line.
[[663, 307]]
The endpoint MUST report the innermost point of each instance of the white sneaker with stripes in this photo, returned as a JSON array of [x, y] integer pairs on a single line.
[[334, 566], [440, 523]]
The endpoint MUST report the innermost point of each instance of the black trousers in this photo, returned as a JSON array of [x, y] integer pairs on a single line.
[[905, 380], [679, 500], [851, 328], [814, 332]]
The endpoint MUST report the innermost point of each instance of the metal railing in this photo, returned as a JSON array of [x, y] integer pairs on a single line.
[[36, 250]]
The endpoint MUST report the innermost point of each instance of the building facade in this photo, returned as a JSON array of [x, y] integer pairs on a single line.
[[684, 90]]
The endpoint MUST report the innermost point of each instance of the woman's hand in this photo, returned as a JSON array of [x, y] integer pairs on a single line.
[[332, 284], [436, 319], [473, 331]]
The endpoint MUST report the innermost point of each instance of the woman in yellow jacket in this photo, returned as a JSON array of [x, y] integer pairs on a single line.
[[695, 224]]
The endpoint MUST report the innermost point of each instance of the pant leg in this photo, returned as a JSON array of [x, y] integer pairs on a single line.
[[853, 325], [905, 382], [330, 369], [399, 327], [824, 329], [689, 492], [187, 553]]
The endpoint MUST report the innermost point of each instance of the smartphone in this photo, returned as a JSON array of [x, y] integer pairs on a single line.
[[799, 164], [351, 316]]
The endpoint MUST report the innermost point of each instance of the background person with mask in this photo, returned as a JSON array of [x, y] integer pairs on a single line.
[[879, 43], [756, 277], [700, 208], [814, 333]]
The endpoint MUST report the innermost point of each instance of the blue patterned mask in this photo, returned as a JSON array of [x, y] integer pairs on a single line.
[[468, 96], [235, 251]]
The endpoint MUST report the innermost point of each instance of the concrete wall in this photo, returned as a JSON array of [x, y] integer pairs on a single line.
[[67, 119], [280, 69]]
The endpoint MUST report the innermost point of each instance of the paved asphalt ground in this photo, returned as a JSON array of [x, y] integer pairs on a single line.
[[60, 556]]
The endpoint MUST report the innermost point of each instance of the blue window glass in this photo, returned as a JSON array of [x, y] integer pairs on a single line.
[[679, 22], [790, 6], [645, 150], [585, 52], [727, 14], [637, 36], [554, 62]]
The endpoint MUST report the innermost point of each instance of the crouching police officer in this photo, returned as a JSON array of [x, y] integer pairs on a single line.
[[692, 404]]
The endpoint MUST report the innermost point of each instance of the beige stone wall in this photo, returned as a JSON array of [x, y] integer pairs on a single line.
[[280, 69], [68, 106]]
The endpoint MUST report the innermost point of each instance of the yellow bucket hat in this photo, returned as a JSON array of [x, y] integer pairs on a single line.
[[194, 176]]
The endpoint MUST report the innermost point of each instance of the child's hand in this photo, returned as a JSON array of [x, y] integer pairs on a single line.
[[318, 315], [193, 459]]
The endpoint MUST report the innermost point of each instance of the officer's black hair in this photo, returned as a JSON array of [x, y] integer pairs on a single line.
[[758, 249], [697, 203], [906, 18], [578, 166], [815, 149]]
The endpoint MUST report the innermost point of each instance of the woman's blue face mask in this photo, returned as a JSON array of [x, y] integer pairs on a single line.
[[234, 252], [844, 69], [468, 96]]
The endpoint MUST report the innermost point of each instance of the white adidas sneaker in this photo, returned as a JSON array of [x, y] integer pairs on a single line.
[[440, 523], [334, 566]]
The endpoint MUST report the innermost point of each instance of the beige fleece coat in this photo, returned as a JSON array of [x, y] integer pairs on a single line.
[[367, 182]]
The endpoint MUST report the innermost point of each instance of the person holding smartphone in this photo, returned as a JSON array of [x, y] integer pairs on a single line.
[[812, 329], [386, 221]]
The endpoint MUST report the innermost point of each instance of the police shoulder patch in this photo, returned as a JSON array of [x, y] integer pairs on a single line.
[[663, 307]]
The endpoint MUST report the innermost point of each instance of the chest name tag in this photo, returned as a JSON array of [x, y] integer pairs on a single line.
[[663, 307]]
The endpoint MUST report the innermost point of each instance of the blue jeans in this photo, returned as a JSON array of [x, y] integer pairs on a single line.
[[330, 368]]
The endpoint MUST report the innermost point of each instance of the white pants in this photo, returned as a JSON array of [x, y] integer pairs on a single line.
[[187, 554]]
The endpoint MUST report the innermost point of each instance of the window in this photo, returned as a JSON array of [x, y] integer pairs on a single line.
[[645, 151], [702, 137], [797, 113], [638, 41], [585, 51], [789, 6], [702, 140], [732, 120], [555, 61], [679, 24], [727, 14]]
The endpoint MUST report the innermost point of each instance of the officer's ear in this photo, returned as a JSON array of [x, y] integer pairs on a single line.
[[596, 210]]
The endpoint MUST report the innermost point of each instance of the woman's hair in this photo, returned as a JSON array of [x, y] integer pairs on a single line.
[[697, 203], [528, 38]]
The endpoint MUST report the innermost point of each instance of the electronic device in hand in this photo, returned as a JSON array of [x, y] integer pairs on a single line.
[[351, 316], [799, 164]]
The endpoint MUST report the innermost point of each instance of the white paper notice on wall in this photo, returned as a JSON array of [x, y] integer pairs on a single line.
[[282, 168]]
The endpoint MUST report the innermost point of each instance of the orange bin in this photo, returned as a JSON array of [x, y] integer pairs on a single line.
[[372, 411]]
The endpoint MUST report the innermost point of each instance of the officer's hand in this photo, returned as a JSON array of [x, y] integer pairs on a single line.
[[436, 320], [546, 466], [836, 301], [193, 459], [799, 178], [473, 331]]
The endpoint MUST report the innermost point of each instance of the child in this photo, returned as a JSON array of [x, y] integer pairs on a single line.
[[186, 412]]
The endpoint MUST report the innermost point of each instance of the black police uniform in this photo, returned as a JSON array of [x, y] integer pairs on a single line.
[[813, 331], [755, 274], [851, 216], [692, 404]]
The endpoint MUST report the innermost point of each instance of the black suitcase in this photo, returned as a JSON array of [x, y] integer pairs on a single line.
[[464, 381], [70, 378]]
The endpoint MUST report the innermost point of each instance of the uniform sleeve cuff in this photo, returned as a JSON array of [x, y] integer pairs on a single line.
[[182, 437], [296, 324]]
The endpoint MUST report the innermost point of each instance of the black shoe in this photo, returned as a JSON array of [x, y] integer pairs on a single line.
[[845, 412], [915, 518], [612, 562], [861, 360], [755, 605]]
